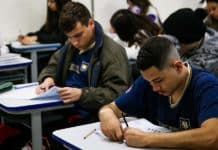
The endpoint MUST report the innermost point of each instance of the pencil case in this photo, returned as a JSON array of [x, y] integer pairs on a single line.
[[5, 86]]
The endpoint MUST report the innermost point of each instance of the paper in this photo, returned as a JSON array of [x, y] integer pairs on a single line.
[[51, 94], [141, 124]]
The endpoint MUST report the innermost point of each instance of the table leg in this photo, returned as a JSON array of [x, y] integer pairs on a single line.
[[34, 66], [36, 128]]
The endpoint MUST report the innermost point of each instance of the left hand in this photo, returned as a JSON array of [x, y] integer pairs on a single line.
[[136, 138], [69, 95]]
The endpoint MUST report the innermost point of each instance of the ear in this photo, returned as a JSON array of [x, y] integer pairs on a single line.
[[177, 65], [91, 23]]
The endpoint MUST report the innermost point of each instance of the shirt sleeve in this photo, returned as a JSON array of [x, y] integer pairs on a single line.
[[208, 106], [132, 101]]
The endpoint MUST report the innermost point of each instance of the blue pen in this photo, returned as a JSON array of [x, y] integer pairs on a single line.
[[20, 86]]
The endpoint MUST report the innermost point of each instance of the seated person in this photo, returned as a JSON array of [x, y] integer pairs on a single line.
[[198, 44], [134, 30], [90, 69], [144, 8], [212, 19], [170, 93], [49, 32]]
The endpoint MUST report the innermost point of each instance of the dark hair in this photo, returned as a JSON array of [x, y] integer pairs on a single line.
[[185, 25], [216, 1], [72, 13], [142, 4], [51, 23], [128, 24], [155, 52]]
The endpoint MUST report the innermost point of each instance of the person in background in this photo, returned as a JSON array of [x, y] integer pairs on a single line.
[[198, 43], [170, 93], [50, 31], [144, 8], [91, 69], [132, 28], [212, 19]]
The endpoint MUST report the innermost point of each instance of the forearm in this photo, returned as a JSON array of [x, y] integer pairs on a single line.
[[109, 111], [200, 138], [95, 98]]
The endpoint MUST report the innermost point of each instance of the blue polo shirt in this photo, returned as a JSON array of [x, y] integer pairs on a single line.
[[199, 102]]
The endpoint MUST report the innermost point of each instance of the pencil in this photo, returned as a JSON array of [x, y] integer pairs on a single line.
[[90, 133], [124, 119]]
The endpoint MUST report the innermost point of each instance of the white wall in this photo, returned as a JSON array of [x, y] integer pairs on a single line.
[[24, 15], [29, 15]]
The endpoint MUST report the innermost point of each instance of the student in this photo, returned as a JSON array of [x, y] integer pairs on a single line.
[[91, 69], [132, 28], [170, 93], [49, 32], [198, 44], [212, 18], [144, 8]]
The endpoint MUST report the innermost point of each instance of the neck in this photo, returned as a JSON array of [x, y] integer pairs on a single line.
[[176, 96]]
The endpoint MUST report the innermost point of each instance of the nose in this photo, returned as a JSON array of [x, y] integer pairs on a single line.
[[155, 88], [74, 41]]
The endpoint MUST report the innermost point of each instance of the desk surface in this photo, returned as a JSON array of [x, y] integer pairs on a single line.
[[13, 60], [19, 47], [73, 138], [19, 100]]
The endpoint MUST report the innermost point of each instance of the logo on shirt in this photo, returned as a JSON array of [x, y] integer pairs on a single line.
[[74, 68], [184, 123], [84, 66]]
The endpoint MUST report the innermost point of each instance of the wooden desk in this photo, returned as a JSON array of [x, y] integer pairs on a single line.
[[18, 101], [33, 50]]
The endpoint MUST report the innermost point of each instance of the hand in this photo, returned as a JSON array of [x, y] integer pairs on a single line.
[[20, 38], [112, 129], [69, 95], [45, 85], [26, 40], [137, 138]]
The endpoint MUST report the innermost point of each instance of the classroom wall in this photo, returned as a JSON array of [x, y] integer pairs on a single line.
[[28, 15]]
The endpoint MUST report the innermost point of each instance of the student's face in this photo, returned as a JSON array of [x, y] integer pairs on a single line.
[[165, 81], [52, 5], [212, 9], [82, 36]]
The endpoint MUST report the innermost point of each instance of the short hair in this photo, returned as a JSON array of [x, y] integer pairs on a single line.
[[72, 13], [157, 52]]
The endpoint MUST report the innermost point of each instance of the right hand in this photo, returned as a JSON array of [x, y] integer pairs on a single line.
[[45, 85], [112, 129]]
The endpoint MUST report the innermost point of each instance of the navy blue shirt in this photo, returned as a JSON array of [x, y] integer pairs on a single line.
[[78, 69], [199, 102]]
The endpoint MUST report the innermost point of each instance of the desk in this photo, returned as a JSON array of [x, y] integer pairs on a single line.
[[12, 61], [17, 101], [33, 50], [73, 138]]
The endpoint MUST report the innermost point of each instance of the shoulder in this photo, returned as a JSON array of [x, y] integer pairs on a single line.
[[112, 49], [203, 79]]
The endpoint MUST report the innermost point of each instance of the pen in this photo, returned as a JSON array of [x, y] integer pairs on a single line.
[[90, 133], [124, 119]]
